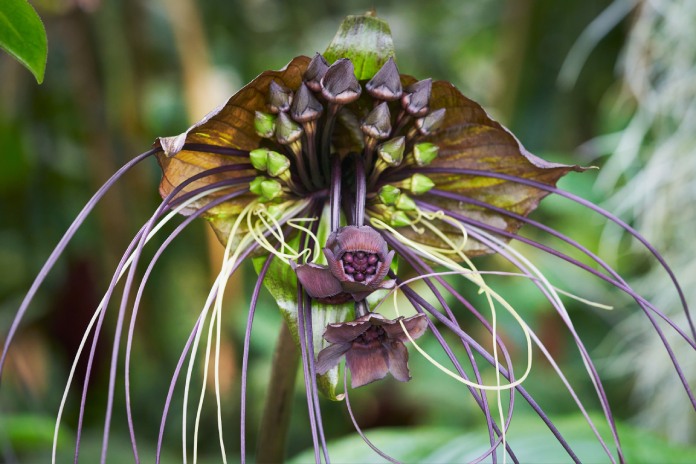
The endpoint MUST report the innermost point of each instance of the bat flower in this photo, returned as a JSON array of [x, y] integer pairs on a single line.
[[358, 261], [338, 176], [373, 346]]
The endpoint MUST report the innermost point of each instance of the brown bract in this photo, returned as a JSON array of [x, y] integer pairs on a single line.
[[373, 346], [229, 126]]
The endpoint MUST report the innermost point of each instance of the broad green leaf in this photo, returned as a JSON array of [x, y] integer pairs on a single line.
[[366, 40], [26, 432], [23, 36], [528, 437]]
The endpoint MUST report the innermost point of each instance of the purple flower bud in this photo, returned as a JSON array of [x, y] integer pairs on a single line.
[[386, 84], [305, 107], [339, 84], [416, 98], [377, 124], [315, 71], [279, 97]]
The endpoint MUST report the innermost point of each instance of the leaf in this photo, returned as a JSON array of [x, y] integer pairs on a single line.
[[529, 439], [23, 36], [27, 432], [281, 282], [229, 126], [470, 139], [366, 40]]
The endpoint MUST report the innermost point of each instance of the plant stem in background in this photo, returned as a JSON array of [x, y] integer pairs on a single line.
[[278, 405]]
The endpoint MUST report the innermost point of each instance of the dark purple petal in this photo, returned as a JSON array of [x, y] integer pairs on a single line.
[[318, 281], [367, 363], [398, 360], [415, 325], [346, 332], [329, 357]]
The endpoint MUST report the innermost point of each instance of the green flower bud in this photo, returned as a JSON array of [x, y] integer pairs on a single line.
[[259, 158], [264, 124], [287, 130], [405, 203], [425, 153], [399, 219], [267, 189], [421, 184], [388, 194], [392, 151], [277, 163]]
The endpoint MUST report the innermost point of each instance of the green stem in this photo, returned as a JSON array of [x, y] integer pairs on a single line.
[[275, 421]]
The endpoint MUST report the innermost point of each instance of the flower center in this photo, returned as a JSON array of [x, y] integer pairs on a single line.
[[360, 265], [371, 335]]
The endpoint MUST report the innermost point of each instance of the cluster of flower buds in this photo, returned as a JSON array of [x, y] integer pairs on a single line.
[[384, 119]]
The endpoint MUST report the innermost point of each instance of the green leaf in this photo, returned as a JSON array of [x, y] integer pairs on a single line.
[[26, 432], [528, 437], [23, 36], [366, 40], [281, 282]]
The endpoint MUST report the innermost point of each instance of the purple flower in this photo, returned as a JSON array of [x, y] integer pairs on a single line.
[[358, 261], [373, 346]]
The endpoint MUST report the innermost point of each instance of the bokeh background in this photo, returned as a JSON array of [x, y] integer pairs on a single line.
[[590, 82]]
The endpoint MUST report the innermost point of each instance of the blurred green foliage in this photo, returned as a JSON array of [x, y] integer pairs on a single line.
[[121, 73]]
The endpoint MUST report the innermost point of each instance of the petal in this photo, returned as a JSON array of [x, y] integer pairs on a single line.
[[398, 361], [415, 325], [367, 364], [229, 126], [330, 356], [345, 332], [317, 280], [354, 238]]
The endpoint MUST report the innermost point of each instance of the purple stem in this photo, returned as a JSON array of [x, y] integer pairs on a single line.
[[245, 357], [305, 369], [166, 203], [588, 204], [58, 250], [644, 304]]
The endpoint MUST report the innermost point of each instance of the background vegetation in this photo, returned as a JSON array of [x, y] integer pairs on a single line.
[[121, 73]]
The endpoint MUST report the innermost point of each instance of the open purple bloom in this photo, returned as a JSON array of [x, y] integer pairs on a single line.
[[373, 346], [358, 262]]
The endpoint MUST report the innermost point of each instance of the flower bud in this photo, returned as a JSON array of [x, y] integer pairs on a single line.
[[339, 84], [389, 194], [392, 151], [305, 107], [277, 164], [431, 122], [279, 97], [416, 98], [405, 203], [377, 124], [266, 189], [259, 158], [264, 124], [421, 184], [425, 153], [287, 130], [399, 219], [315, 71], [386, 84]]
